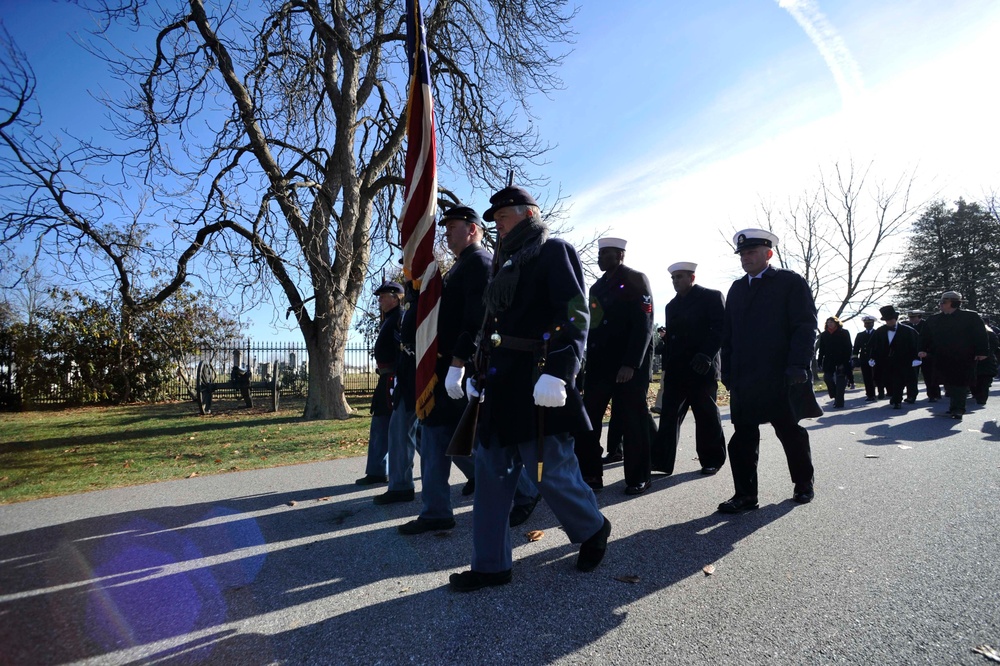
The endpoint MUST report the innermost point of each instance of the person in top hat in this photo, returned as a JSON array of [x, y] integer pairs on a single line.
[[386, 352], [862, 355], [955, 340], [915, 319], [768, 338], [893, 353], [536, 329], [619, 366], [692, 338], [834, 358], [460, 315]]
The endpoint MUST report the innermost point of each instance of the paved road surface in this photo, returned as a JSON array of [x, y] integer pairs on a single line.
[[897, 561]]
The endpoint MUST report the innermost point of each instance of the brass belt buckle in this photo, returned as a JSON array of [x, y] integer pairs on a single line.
[[495, 339]]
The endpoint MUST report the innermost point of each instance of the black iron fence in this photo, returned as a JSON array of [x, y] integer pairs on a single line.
[[291, 361]]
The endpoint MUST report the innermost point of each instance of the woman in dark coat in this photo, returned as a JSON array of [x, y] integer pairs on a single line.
[[835, 358]]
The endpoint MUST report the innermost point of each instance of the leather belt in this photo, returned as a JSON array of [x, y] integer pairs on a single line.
[[516, 344], [385, 369]]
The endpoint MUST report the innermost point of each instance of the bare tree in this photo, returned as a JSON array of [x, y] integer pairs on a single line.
[[269, 135]]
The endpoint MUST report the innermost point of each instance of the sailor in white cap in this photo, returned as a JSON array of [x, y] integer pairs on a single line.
[[619, 367], [862, 354], [692, 338], [767, 350]]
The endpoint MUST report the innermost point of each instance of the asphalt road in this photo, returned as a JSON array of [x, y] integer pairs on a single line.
[[895, 562]]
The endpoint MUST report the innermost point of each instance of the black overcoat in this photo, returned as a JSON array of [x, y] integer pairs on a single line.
[[621, 326], [834, 349], [549, 304], [769, 332], [459, 319], [693, 324], [953, 341], [386, 353], [896, 358], [861, 344]]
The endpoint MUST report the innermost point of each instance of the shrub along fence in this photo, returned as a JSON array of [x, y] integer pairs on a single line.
[[290, 359]]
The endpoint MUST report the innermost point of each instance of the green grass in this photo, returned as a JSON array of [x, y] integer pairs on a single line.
[[50, 453]]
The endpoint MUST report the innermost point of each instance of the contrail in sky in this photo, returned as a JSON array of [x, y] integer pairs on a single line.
[[838, 57]]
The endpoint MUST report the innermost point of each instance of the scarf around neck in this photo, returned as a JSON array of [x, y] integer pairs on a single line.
[[521, 245]]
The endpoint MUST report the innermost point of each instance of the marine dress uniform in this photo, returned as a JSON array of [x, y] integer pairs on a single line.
[[536, 331]]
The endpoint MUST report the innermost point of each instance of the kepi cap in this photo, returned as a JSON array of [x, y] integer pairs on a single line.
[[753, 238], [508, 196], [682, 266], [463, 213], [393, 287], [607, 241]]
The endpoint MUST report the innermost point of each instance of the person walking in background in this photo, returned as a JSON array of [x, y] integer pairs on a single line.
[[956, 341], [691, 342], [862, 356], [835, 359], [386, 353], [931, 386], [767, 351], [987, 368], [893, 351]]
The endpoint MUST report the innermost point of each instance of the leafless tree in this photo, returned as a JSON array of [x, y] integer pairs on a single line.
[[268, 137]]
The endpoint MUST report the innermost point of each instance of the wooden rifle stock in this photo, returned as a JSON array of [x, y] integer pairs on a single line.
[[465, 434]]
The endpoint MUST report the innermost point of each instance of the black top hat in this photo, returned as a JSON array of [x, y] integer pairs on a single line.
[[888, 312], [508, 196], [460, 213], [391, 287]]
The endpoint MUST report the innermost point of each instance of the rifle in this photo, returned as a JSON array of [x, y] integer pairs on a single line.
[[465, 433]]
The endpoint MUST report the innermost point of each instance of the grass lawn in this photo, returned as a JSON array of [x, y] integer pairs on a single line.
[[49, 453]]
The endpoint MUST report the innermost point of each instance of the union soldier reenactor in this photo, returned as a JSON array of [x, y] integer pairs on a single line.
[[955, 339], [691, 342], [386, 352], [862, 356], [767, 350], [536, 329], [619, 366], [893, 352]]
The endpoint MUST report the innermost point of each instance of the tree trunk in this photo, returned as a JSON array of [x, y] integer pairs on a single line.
[[325, 399]]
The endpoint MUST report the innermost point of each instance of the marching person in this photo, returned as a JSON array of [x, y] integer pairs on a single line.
[[619, 366], [767, 350], [893, 352], [835, 359], [931, 387], [536, 331], [862, 356], [386, 352], [956, 341], [691, 342], [987, 368], [459, 318]]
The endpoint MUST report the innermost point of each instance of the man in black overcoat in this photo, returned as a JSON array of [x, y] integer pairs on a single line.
[[861, 356], [460, 317], [386, 352], [691, 342], [619, 366], [955, 339], [893, 353], [535, 335], [767, 348]]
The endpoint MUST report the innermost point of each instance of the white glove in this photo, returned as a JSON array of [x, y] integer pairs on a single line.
[[916, 363], [871, 363], [392, 386], [470, 389], [453, 382], [550, 391]]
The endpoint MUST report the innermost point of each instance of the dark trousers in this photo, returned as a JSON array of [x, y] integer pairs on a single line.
[[957, 396], [981, 391], [710, 443], [744, 449], [896, 381], [836, 384], [932, 387], [614, 440], [630, 403], [868, 375]]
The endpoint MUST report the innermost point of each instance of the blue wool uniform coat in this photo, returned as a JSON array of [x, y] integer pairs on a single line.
[[459, 320], [769, 331], [386, 353], [549, 304]]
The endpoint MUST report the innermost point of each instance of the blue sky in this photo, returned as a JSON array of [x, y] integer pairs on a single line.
[[677, 117]]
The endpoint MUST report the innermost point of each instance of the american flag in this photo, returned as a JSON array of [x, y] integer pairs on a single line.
[[417, 223]]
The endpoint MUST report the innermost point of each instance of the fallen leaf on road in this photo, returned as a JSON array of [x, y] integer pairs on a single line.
[[192, 474], [988, 652], [870, 455], [904, 446], [292, 503], [322, 499], [404, 590], [709, 569], [534, 535], [627, 579]]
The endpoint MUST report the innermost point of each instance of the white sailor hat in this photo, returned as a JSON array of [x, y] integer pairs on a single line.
[[753, 238], [683, 266], [617, 243], [867, 317]]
